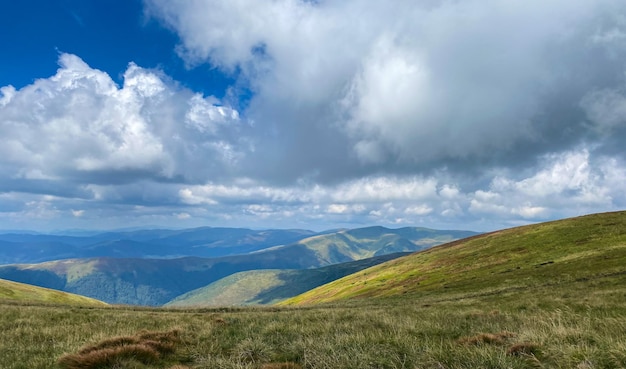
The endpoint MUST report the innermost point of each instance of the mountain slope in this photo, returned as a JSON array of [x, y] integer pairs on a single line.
[[586, 248], [20, 292], [272, 285], [361, 243], [141, 281], [145, 281]]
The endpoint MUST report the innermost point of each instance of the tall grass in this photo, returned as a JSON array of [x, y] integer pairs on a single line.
[[529, 329]]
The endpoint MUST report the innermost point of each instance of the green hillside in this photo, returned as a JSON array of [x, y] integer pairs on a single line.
[[362, 243], [590, 249], [259, 287], [24, 293]]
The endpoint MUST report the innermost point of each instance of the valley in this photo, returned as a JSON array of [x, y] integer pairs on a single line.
[[115, 274]]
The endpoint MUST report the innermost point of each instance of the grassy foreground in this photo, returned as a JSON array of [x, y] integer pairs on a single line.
[[542, 329]]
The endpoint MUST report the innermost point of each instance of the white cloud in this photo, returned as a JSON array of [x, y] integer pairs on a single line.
[[337, 208], [182, 216], [568, 184], [530, 212], [205, 116], [7, 94], [78, 213], [419, 210], [404, 83], [570, 171], [381, 189], [449, 192], [80, 126]]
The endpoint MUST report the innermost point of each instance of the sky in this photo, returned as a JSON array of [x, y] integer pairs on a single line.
[[448, 114]]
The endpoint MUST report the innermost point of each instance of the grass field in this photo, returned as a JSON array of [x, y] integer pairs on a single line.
[[542, 329]]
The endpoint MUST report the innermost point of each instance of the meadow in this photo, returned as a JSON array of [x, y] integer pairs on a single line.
[[543, 328]]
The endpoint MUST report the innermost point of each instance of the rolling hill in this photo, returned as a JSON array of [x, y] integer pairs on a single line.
[[589, 250], [143, 281], [260, 287], [24, 293], [361, 243]]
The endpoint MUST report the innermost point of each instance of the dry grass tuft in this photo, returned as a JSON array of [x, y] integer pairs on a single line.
[[487, 339], [281, 366], [161, 347], [180, 367], [219, 321], [523, 348], [109, 343], [172, 336], [107, 357], [146, 347]]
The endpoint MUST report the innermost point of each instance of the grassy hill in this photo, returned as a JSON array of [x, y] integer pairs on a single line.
[[565, 307], [19, 292], [141, 281], [590, 248], [361, 243], [270, 286]]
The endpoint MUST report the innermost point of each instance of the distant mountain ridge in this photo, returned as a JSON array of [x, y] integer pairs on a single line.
[[149, 281], [157, 243]]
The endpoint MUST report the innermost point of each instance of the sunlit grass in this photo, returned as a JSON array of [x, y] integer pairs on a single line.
[[529, 330], [23, 292]]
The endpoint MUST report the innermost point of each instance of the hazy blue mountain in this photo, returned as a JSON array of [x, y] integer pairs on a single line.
[[155, 280], [158, 243]]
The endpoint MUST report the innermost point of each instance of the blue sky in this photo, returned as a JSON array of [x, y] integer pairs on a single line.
[[297, 114], [106, 34]]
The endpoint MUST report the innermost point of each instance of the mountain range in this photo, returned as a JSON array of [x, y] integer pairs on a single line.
[[152, 243], [107, 267]]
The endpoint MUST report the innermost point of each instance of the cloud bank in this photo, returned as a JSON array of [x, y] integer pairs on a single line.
[[412, 86], [472, 114]]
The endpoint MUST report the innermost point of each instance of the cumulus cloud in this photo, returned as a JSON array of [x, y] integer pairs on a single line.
[[568, 184], [412, 85], [79, 126]]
